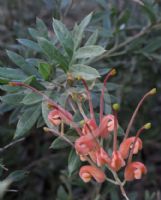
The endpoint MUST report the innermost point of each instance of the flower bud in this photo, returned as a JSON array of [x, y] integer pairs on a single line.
[[147, 126], [116, 106], [153, 91]]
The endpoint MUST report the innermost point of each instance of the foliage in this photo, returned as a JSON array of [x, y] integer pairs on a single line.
[[51, 63]]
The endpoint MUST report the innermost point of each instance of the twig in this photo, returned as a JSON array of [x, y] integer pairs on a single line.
[[11, 144], [108, 53], [58, 134]]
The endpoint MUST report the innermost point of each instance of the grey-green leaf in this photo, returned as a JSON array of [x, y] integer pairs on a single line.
[[79, 30], [31, 98], [20, 62], [53, 53], [90, 51], [13, 99], [92, 39], [27, 121], [64, 36], [11, 74], [84, 71], [45, 70], [30, 44], [73, 162], [59, 143]]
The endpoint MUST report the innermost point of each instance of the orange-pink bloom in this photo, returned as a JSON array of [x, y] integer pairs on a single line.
[[54, 117], [134, 170], [106, 125], [85, 144], [127, 144], [117, 161], [89, 127], [102, 157], [88, 172]]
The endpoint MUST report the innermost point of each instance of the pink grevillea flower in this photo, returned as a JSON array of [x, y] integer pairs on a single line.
[[85, 144], [88, 172], [106, 125], [117, 162], [54, 117], [102, 157], [134, 170], [127, 144], [89, 126]]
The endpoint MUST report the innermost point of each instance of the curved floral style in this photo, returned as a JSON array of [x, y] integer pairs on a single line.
[[134, 170], [88, 172]]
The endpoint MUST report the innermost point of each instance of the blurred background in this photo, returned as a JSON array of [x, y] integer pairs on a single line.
[[138, 62]]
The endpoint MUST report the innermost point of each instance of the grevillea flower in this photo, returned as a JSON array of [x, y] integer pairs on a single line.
[[85, 144], [134, 170], [126, 145], [89, 126], [106, 125], [102, 157], [54, 117], [117, 161], [88, 172]]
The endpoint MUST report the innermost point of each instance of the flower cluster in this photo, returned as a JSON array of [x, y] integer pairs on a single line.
[[89, 144]]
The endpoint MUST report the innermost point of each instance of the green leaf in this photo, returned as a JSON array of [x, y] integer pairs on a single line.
[[84, 71], [4, 186], [148, 9], [30, 44], [34, 33], [62, 194], [27, 121], [73, 162], [89, 51], [45, 70], [59, 143], [11, 74], [20, 62], [45, 111], [53, 53], [152, 45], [92, 39], [41, 27], [31, 80], [13, 99], [17, 175], [31, 98], [79, 30], [64, 36]]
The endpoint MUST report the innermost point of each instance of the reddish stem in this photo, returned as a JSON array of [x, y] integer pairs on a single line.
[[135, 140], [89, 99], [111, 73], [65, 113], [135, 113]]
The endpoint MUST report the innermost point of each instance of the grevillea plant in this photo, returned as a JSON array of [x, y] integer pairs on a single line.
[[92, 134]]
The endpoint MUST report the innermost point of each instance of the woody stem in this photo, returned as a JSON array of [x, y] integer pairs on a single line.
[[120, 184], [133, 146], [134, 115], [89, 99]]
